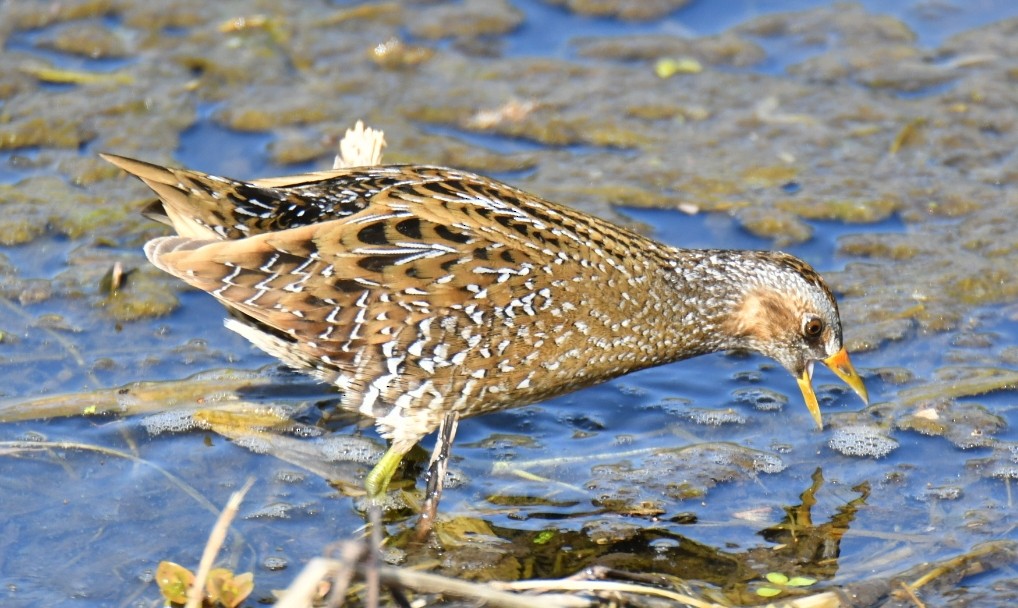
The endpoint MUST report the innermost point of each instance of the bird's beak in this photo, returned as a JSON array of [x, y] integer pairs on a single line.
[[841, 365]]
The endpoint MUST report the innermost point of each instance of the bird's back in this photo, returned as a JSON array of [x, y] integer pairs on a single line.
[[419, 290]]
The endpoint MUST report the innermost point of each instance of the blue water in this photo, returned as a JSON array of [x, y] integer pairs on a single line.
[[65, 503], [549, 29], [235, 154], [718, 230], [30, 42]]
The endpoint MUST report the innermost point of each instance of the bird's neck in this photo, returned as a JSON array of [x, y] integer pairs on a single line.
[[706, 287]]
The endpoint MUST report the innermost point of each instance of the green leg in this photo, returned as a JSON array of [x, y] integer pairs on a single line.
[[377, 481]]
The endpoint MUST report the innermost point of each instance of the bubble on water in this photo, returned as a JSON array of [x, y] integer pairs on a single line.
[[258, 445], [761, 399], [768, 463], [782, 448], [632, 390], [747, 376], [290, 477], [862, 440], [389, 502], [676, 406], [712, 417], [275, 563], [661, 545], [344, 448], [943, 493], [455, 478], [584, 422], [605, 531], [175, 421], [393, 555], [1005, 471], [623, 440], [276, 510], [305, 431], [289, 413]]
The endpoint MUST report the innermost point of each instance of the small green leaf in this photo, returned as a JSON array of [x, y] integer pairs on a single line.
[[767, 591], [543, 537], [174, 581], [801, 581], [229, 590], [217, 578], [777, 578], [243, 585], [668, 67]]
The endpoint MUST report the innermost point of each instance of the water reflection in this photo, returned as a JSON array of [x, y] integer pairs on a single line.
[[642, 549]]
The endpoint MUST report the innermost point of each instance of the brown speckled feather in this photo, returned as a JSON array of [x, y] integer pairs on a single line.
[[419, 290], [450, 298]]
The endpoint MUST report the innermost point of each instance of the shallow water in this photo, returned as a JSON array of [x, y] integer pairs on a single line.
[[698, 468]]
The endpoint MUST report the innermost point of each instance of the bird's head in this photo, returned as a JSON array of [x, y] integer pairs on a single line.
[[786, 312]]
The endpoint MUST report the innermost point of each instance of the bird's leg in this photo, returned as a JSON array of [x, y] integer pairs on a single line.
[[436, 473], [377, 481]]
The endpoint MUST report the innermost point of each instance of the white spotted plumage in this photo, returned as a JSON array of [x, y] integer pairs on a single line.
[[419, 290]]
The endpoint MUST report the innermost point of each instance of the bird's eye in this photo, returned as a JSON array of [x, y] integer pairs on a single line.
[[813, 327]]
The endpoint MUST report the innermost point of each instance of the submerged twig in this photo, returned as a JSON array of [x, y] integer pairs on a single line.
[[300, 593], [966, 564], [135, 398], [907, 590], [433, 583], [613, 586]]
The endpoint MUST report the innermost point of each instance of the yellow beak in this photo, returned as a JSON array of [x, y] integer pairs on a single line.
[[841, 365]]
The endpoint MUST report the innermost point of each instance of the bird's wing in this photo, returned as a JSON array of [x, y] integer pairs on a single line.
[[204, 206], [426, 286]]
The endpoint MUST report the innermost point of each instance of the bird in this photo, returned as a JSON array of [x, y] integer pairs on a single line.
[[423, 291]]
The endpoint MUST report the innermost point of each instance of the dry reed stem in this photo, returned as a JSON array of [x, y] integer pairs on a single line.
[[196, 593]]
